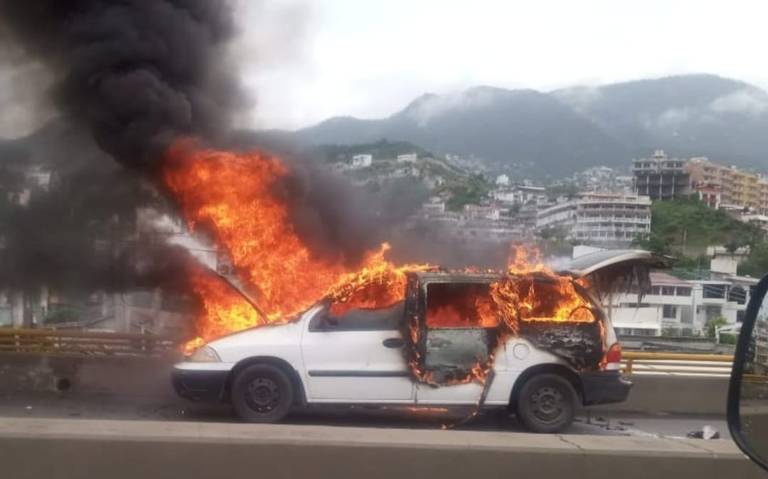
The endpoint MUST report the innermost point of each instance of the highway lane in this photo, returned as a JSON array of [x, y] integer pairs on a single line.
[[162, 408]]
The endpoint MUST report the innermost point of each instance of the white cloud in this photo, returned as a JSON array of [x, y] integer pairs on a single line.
[[433, 106], [673, 117], [369, 59], [580, 98], [745, 101]]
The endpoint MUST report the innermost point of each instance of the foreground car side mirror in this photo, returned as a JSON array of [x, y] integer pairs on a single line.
[[748, 389]]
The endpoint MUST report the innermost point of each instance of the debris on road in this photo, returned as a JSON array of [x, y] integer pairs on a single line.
[[706, 432]]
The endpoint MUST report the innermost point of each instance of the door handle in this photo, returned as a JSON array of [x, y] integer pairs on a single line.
[[393, 343]]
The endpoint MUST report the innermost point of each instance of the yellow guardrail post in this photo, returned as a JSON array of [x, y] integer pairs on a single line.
[[89, 343], [724, 358], [631, 357]]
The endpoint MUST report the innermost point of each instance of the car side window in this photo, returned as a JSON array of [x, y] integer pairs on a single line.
[[460, 305], [383, 319]]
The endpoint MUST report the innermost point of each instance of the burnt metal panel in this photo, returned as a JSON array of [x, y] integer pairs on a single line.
[[456, 348], [579, 344]]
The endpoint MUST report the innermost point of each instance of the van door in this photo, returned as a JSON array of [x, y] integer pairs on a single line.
[[357, 357], [457, 339]]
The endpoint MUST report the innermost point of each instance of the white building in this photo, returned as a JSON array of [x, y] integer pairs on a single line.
[[669, 306], [678, 307], [434, 206], [502, 180], [408, 158], [361, 161], [599, 217], [491, 212], [521, 195]]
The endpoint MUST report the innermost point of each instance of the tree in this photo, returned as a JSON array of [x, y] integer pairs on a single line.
[[756, 264], [472, 191], [713, 324], [654, 243]]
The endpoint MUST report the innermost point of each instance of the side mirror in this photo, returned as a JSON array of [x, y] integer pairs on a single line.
[[748, 389]]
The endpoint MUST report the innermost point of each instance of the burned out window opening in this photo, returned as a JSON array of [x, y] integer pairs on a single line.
[[460, 305], [465, 321], [459, 331], [384, 319]]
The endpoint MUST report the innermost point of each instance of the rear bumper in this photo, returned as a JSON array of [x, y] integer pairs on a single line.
[[199, 385], [604, 387]]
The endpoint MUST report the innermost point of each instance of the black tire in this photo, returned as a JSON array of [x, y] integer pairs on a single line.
[[262, 393], [546, 403]]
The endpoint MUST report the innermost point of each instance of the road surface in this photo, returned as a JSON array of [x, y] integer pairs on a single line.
[[102, 406]]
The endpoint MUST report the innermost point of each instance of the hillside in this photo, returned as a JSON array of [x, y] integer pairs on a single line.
[[524, 129], [379, 149], [689, 226], [684, 229], [688, 115], [557, 133]]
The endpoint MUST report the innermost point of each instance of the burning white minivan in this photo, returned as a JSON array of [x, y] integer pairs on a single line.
[[537, 343]]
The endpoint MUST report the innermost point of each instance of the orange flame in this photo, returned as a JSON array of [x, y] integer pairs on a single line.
[[526, 260], [379, 284], [235, 198], [531, 291]]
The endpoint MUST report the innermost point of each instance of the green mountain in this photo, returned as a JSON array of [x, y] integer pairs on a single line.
[[571, 129]]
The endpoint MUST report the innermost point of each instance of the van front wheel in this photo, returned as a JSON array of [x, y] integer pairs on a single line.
[[262, 393], [546, 403]]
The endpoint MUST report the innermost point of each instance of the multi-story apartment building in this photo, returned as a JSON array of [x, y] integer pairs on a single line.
[[660, 177], [727, 186], [604, 218]]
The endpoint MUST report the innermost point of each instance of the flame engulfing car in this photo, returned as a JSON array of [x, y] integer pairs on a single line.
[[537, 343]]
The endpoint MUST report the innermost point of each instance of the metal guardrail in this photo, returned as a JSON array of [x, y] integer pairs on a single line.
[[681, 364], [84, 343], [95, 343]]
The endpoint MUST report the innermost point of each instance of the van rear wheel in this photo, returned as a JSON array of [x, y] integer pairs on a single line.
[[262, 393], [546, 403]]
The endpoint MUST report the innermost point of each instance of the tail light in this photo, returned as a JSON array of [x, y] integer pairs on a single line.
[[612, 358]]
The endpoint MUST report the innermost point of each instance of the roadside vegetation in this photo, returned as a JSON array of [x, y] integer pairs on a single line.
[[684, 228], [465, 191]]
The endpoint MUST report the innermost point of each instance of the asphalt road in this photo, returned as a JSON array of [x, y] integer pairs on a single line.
[[102, 406]]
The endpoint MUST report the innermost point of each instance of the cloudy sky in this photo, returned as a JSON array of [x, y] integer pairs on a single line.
[[309, 60], [306, 60]]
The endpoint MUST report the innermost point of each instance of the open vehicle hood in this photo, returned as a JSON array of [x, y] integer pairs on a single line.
[[616, 271], [619, 258]]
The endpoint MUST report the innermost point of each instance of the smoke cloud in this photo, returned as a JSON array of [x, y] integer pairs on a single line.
[[137, 73], [75, 228]]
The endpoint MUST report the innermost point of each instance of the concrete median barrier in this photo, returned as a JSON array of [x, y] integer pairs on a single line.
[[150, 377], [111, 375], [36, 448], [675, 395]]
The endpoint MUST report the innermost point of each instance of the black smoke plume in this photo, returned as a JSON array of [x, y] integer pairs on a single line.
[[138, 73], [79, 230]]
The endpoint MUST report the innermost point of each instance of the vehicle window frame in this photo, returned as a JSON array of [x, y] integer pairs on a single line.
[[425, 300], [318, 323]]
